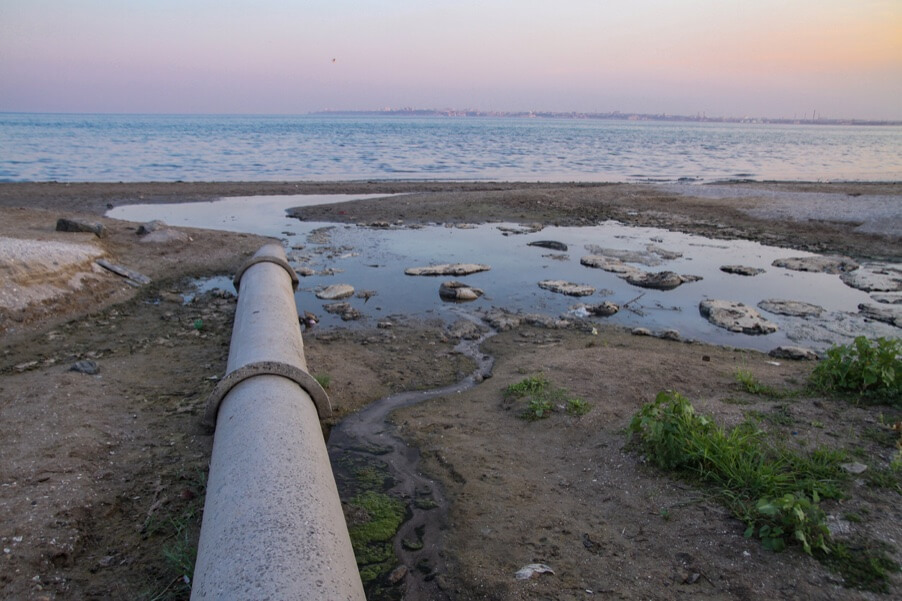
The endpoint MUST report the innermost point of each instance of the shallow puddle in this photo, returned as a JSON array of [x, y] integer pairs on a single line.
[[373, 262]]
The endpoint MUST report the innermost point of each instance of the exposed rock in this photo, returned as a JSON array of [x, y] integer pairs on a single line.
[[888, 299], [165, 235], [151, 226], [530, 228], [501, 320], [658, 280], [890, 314], [568, 288], [343, 310], [611, 264], [671, 334], [605, 309], [741, 270], [557, 257], [335, 292], [818, 263], [667, 255], [366, 295], [550, 244], [641, 332], [628, 256], [80, 226], [305, 271], [452, 290], [457, 269], [871, 279], [735, 317], [794, 353], [854, 467], [790, 307], [85, 366]]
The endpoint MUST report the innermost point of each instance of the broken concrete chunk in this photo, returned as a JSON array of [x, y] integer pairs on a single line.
[[80, 225], [874, 279], [458, 291], [790, 307], [568, 288], [890, 314], [457, 269], [818, 263], [335, 292], [735, 317], [741, 270]]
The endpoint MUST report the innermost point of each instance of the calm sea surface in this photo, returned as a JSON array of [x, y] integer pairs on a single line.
[[130, 148]]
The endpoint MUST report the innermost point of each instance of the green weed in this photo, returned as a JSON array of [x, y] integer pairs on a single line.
[[871, 370], [749, 383], [542, 398], [323, 380], [774, 491], [577, 406]]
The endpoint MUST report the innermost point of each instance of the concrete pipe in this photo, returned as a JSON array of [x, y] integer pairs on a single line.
[[273, 526]]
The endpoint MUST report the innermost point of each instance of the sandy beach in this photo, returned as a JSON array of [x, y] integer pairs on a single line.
[[102, 475]]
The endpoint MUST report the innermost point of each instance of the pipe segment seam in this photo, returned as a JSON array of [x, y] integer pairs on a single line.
[[272, 368], [267, 259]]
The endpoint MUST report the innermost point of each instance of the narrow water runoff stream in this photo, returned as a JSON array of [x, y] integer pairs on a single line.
[[368, 436]]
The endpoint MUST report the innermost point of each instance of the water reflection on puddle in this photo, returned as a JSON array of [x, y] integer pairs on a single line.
[[374, 260]]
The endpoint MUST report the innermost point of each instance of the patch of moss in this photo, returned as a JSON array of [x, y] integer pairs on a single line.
[[372, 538]]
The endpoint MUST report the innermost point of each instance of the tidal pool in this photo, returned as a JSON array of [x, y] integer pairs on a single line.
[[373, 261]]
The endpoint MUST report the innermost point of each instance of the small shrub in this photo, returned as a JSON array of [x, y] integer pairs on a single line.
[[542, 398], [870, 369], [577, 406]]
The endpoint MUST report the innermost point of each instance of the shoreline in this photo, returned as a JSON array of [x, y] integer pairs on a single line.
[[114, 459], [552, 203]]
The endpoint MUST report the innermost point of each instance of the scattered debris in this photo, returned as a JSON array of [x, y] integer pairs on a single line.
[[533, 570]]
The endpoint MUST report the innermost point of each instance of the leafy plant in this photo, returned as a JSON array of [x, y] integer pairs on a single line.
[[869, 369], [537, 408], [577, 406], [542, 398], [793, 515], [774, 491]]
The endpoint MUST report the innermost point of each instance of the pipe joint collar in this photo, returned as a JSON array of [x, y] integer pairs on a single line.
[[265, 258], [266, 368]]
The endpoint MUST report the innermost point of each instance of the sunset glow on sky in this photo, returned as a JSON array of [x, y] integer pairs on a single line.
[[769, 58]]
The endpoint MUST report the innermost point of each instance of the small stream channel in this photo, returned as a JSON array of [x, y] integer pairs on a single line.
[[367, 443]]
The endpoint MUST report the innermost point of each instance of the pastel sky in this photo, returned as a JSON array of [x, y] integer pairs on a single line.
[[764, 58]]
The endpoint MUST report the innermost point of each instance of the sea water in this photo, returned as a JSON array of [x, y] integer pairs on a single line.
[[139, 148]]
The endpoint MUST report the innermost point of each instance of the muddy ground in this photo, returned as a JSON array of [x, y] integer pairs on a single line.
[[102, 476]]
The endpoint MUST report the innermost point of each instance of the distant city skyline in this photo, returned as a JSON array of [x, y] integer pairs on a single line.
[[840, 59]]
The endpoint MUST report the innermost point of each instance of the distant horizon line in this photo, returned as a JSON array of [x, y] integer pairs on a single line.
[[534, 114]]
